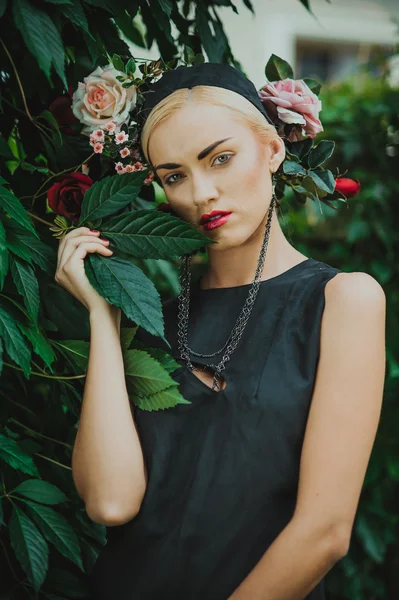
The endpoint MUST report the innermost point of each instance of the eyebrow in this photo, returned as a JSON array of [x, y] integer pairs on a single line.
[[200, 156]]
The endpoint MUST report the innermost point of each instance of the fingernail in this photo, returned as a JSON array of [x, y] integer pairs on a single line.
[[94, 230]]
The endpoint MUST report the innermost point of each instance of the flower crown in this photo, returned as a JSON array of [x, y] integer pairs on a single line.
[[108, 101]]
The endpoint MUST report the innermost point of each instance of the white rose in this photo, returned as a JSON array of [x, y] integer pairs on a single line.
[[101, 99]]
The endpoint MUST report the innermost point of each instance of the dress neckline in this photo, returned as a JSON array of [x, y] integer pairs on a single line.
[[263, 283]]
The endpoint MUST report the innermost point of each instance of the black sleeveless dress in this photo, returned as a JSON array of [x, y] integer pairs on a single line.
[[222, 471]]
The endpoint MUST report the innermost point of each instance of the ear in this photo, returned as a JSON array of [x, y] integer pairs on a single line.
[[276, 150]]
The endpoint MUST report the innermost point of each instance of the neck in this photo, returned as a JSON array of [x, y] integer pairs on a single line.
[[236, 266]]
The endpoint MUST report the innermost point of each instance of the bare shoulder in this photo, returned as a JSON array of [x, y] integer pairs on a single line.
[[355, 292]]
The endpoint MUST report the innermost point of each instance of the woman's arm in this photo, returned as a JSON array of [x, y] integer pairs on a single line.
[[340, 433], [107, 462]]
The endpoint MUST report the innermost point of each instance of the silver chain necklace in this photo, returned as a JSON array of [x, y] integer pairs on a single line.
[[238, 329]]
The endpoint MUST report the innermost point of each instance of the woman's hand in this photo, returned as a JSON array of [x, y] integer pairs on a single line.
[[70, 271]]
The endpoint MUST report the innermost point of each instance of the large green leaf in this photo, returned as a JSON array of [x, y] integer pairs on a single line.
[[148, 380], [320, 153], [161, 400], [29, 546], [27, 286], [153, 234], [11, 205], [56, 530], [277, 69], [110, 195], [40, 491], [124, 285], [41, 345], [293, 168], [77, 16], [147, 374], [323, 179], [14, 342], [12, 454], [4, 265], [78, 350], [40, 36]]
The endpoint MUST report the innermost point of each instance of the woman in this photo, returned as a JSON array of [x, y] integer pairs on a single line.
[[249, 491]]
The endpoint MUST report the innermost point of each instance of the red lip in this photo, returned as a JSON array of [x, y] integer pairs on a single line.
[[206, 216]]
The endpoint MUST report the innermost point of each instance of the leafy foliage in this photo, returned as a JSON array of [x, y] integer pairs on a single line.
[[46, 48]]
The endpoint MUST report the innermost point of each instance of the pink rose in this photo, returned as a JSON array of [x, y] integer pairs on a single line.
[[101, 99], [292, 101]]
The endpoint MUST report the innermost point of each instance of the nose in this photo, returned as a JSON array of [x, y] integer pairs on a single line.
[[204, 192]]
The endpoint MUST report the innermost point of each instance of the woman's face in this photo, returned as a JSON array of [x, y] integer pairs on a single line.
[[208, 158]]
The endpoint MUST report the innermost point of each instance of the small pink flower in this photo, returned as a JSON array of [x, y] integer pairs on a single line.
[[124, 152], [121, 137], [129, 169], [138, 166], [98, 148], [110, 127], [148, 180], [98, 135], [119, 168]]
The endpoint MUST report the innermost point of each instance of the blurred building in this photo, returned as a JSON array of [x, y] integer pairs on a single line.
[[329, 44]]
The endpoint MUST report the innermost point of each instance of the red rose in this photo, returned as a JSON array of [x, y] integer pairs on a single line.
[[347, 187], [61, 109], [66, 195]]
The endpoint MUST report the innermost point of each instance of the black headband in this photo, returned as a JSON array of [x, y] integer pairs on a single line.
[[213, 74]]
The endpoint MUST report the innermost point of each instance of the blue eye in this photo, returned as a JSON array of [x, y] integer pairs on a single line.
[[170, 181], [221, 156]]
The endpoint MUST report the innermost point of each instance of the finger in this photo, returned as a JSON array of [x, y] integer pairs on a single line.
[[74, 242], [82, 250], [79, 231]]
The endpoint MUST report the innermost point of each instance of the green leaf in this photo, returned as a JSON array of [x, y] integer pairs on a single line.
[[110, 195], [213, 44], [153, 234], [27, 286], [31, 248], [323, 179], [313, 85], [118, 63], [291, 167], [278, 69], [11, 205], [77, 16], [46, 115], [161, 400], [3, 6], [14, 342], [57, 531], [40, 36], [78, 350], [124, 285], [320, 153], [40, 491], [4, 265], [302, 148], [130, 66], [162, 18], [166, 6], [12, 454], [41, 345], [5, 149], [3, 245], [147, 374], [29, 546]]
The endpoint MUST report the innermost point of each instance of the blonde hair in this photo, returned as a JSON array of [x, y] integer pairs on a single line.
[[210, 95]]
